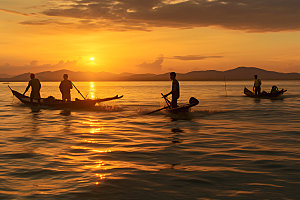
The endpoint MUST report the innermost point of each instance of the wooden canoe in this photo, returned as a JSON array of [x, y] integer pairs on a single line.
[[51, 102]]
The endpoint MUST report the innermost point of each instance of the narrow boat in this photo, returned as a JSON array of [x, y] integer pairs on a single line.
[[180, 109], [184, 108], [264, 95], [51, 102]]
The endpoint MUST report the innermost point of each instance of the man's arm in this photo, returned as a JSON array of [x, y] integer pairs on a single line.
[[168, 94], [60, 86], [27, 88]]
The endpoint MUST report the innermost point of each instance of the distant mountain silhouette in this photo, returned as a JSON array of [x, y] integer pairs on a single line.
[[240, 73], [5, 76]]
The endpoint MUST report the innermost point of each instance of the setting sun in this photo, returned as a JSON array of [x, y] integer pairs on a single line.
[[92, 58]]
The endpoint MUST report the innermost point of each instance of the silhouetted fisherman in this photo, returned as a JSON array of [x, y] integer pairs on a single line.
[[35, 85], [65, 88], [175, 90], [257, 85]]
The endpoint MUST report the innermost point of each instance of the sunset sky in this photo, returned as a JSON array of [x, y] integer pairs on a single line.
[[154, 36]]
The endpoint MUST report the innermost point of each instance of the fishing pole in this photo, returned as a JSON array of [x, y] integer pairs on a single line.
[[78, 91]]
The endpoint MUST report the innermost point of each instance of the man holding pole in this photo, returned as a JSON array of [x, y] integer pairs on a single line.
[[175, 90], [65, 88]]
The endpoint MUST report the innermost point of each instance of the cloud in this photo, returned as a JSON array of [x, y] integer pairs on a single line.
[[44, 22], [246, 15], [16, 12], [194, 57], [152, 67]]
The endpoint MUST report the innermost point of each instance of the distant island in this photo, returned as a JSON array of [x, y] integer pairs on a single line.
[[239, 73]]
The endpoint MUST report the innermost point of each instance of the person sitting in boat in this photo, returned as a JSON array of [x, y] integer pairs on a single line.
[[274, 89], [35, 85], [65, 88], [257, 85], [175, 90]]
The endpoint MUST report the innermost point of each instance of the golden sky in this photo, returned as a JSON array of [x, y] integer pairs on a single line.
[[148, 36]]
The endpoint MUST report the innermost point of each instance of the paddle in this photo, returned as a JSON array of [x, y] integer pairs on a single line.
[[167, 100], [168, 106], [157, 110], [78, 91], [9, 87]]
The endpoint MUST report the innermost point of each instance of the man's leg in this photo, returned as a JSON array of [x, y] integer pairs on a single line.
[[63, 97], [69, 97], [255, 90], [174, 103]]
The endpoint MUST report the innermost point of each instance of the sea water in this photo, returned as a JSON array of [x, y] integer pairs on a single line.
[[228, 147]]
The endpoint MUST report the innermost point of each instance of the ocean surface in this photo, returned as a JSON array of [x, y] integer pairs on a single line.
[[229, 146]]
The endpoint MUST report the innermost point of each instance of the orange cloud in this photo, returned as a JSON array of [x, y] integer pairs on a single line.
[[16, 12], [153, 67], [246, 15], [194, 57]]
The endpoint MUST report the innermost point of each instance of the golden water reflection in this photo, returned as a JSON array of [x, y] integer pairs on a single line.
[[94, 127], [100, 177], [92, 90]]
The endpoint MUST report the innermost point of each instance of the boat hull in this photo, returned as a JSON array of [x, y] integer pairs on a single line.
[[60, 104], [185, 108], [263, 95]]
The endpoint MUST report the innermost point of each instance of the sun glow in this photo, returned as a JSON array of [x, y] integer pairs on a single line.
[[92, 58]]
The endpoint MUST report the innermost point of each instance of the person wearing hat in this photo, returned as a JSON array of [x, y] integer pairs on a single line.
[[35, 85]]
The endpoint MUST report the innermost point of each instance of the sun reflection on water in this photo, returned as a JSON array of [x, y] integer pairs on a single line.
[[101, 151], [95, 126], [92, 90], [96, 130]]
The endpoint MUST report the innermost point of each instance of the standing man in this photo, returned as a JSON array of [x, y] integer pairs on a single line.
[[65, 88], [175, 90], [257, 85], [35, 85]]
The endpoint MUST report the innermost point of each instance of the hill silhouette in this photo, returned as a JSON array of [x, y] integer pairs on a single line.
[[240, 73]]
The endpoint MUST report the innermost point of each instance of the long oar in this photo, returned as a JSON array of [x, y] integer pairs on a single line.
[[168, 105], [157, 110], [78, 91], [10, 88], [167, 100]]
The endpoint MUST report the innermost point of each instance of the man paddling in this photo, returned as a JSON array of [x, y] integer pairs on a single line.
[[175, 90], [35, 85], [65, 88], [257, 85]]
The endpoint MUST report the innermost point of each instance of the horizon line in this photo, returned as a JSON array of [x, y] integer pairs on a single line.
[[12, 75]]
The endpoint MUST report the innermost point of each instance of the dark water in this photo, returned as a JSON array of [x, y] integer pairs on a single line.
[[228, 147]]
